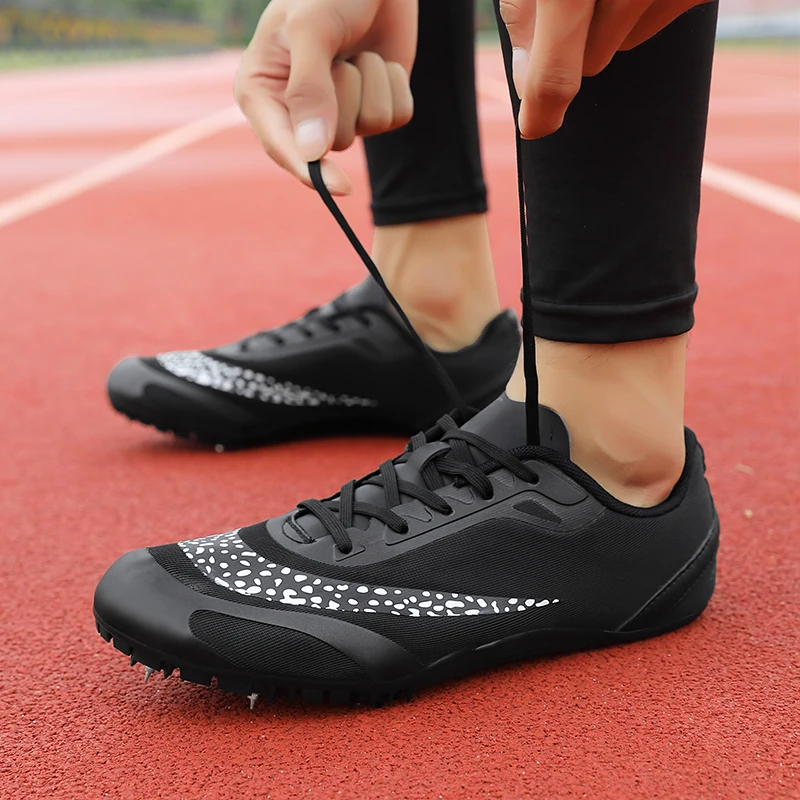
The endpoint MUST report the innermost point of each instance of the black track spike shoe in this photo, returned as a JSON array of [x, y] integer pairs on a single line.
[[470, 549], [350, 365]]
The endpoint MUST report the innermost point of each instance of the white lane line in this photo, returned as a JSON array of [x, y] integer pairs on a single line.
[[777, 199], [58, 191], [769, 196]]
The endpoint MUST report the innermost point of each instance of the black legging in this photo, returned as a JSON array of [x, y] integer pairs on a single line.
[[431, 168], [612, 198]]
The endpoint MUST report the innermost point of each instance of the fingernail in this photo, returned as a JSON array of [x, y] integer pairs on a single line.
[[336, 182], [311, 138], [519, 68], [332, 176]]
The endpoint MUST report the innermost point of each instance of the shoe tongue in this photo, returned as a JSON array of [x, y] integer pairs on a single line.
[[366, 293], [503, 423]]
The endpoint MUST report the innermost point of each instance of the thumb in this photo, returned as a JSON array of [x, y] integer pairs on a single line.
[[310, 92]]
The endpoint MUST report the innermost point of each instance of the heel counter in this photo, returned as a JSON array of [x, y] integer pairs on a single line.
[[686, 595]]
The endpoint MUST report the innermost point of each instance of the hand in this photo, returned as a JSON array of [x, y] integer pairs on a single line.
[[557, 42], [317, 73]]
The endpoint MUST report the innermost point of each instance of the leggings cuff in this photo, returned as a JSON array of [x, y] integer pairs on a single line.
[[614, 324], [438, 208]]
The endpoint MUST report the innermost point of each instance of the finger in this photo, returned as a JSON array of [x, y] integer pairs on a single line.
[[310, 92], [519, 17], [613, 20], [402, 99], [270, 121], [656, 18], [393, 35], [556, 64], [376, 113], [347, 83]]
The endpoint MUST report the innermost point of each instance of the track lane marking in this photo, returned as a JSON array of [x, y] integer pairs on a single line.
[[777, 199], [769, 196], [164, 144]]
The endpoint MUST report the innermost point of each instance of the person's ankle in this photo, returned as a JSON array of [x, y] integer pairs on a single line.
[[642, 476], [623, 405], [442, 275]]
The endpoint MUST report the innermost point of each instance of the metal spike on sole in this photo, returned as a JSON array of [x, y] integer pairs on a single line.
[[252, 698], [148, 671]]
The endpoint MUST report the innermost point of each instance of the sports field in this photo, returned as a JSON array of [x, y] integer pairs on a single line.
[[137, 215]]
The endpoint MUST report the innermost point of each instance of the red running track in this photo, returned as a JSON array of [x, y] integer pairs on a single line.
[[212, 243]]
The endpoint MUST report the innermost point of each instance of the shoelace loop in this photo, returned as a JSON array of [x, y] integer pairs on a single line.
[[337, 514]]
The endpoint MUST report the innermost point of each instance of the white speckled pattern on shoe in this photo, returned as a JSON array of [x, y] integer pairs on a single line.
[[202, 369], [229, 562]]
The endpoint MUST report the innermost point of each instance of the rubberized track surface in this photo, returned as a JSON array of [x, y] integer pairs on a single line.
[[211, 243]]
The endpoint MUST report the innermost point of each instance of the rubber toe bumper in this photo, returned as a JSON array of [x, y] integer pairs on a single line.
[[140, 389], [140, 602], [161, 619]]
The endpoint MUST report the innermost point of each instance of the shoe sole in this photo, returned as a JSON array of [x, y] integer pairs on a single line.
[[521, 647], [192, 413], [198, 434]]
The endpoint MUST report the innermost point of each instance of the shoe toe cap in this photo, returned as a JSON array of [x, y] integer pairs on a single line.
[[130, 378], [164, 622], [141, 605]]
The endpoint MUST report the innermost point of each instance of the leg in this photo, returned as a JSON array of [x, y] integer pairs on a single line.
[[429, 198], [612, 202]]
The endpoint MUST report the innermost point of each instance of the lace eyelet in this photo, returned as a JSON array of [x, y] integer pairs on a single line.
[[488, 497], [449, 513], [341, 555]]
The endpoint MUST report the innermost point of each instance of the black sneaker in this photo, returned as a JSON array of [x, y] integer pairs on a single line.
[[469, 550], [350, 365]]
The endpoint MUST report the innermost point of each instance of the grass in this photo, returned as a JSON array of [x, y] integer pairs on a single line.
[[25, 58], [786, 43]]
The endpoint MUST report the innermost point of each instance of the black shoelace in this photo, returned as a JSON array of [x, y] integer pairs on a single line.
[[528, 336], [456, 462], [337, 514], [311, 323], [315, 170]]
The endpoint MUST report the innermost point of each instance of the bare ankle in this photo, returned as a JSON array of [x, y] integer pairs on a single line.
[[623, 405], [644, 479], [442, 275]]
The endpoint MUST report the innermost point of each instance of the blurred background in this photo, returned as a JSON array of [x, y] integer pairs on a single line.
[[138, 215], [44, 31]]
